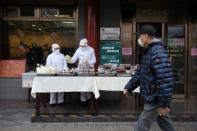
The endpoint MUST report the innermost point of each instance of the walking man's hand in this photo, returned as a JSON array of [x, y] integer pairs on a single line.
[[163, 111], [125, 92]]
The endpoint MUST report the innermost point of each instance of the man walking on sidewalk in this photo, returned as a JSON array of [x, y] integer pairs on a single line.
[[154, 75]]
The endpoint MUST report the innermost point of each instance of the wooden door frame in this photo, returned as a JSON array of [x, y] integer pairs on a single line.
[[164, 28]]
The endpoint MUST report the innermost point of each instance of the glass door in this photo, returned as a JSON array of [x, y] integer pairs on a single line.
[[176, 47], [32, 40], [193, 60], [158, 26], [174, 37]]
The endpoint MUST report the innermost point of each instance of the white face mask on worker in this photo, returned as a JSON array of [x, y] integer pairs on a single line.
[[57, 51], [83, 48], [140, 43]]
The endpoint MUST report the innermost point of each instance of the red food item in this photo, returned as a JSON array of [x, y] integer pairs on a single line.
[[119, 70]]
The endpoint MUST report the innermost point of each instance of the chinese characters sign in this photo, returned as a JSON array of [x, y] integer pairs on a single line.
[[110, 52], [109, 33]]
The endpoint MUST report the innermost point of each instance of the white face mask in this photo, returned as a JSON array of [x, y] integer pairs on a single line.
[[57, 51], [140, 43], [83, 48]]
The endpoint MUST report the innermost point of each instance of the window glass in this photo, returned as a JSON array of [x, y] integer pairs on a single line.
[[193, 55], [10, 11], [26, 11], [49, 12], [66, 12], [126, 41], [57, 12], [176, 49], [38, 34]]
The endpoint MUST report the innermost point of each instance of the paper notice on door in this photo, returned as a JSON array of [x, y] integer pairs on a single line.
[[126, 51], [194, 52]]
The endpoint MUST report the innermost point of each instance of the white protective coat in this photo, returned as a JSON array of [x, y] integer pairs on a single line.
[[58, 61], [81, 54], [87, 53]]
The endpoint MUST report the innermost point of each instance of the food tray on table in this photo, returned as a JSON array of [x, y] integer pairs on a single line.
[[124, 74], [66, 74], [106, 74], [46, 74], [92, 74], [86, 74]]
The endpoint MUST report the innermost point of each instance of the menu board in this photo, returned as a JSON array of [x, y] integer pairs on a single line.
[[110, 52], [12, 68]]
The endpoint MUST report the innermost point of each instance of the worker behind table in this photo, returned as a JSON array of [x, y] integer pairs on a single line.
[[56, 60], [84, 55]]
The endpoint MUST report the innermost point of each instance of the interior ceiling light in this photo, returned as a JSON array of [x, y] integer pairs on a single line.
[[33, 25]]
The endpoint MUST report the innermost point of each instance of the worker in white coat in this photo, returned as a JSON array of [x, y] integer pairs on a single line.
[[58, 61], [84, 54]]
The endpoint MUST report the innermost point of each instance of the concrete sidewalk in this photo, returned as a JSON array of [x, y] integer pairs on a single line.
[[109, 126], [16, 116]]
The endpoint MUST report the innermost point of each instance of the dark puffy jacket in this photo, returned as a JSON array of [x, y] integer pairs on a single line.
[[154, 76]]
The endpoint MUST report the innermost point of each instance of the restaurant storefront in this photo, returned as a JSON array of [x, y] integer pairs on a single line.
[[38, 24], [175, 26]]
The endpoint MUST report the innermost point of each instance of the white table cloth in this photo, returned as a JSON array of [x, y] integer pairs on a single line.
[[47, 84], [27, 79]]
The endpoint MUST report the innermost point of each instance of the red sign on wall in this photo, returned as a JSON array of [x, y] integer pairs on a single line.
[[126, 51], [12, 68]]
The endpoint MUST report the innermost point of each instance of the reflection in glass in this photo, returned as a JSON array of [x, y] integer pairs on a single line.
[[49, 12], [38, 34], [27, 11], [60, 12], [193, 66], [176, 32], [10, 11], [176, 45]]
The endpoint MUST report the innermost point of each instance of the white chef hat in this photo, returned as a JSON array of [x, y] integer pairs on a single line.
[[83, 42], [55, 45]]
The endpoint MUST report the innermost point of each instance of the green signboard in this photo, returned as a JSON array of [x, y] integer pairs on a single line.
[[110, 52]]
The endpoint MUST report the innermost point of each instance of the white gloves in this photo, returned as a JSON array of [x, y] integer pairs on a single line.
[[68, 59]]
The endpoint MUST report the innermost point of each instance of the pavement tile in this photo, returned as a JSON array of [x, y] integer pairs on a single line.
[[17, 117]]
